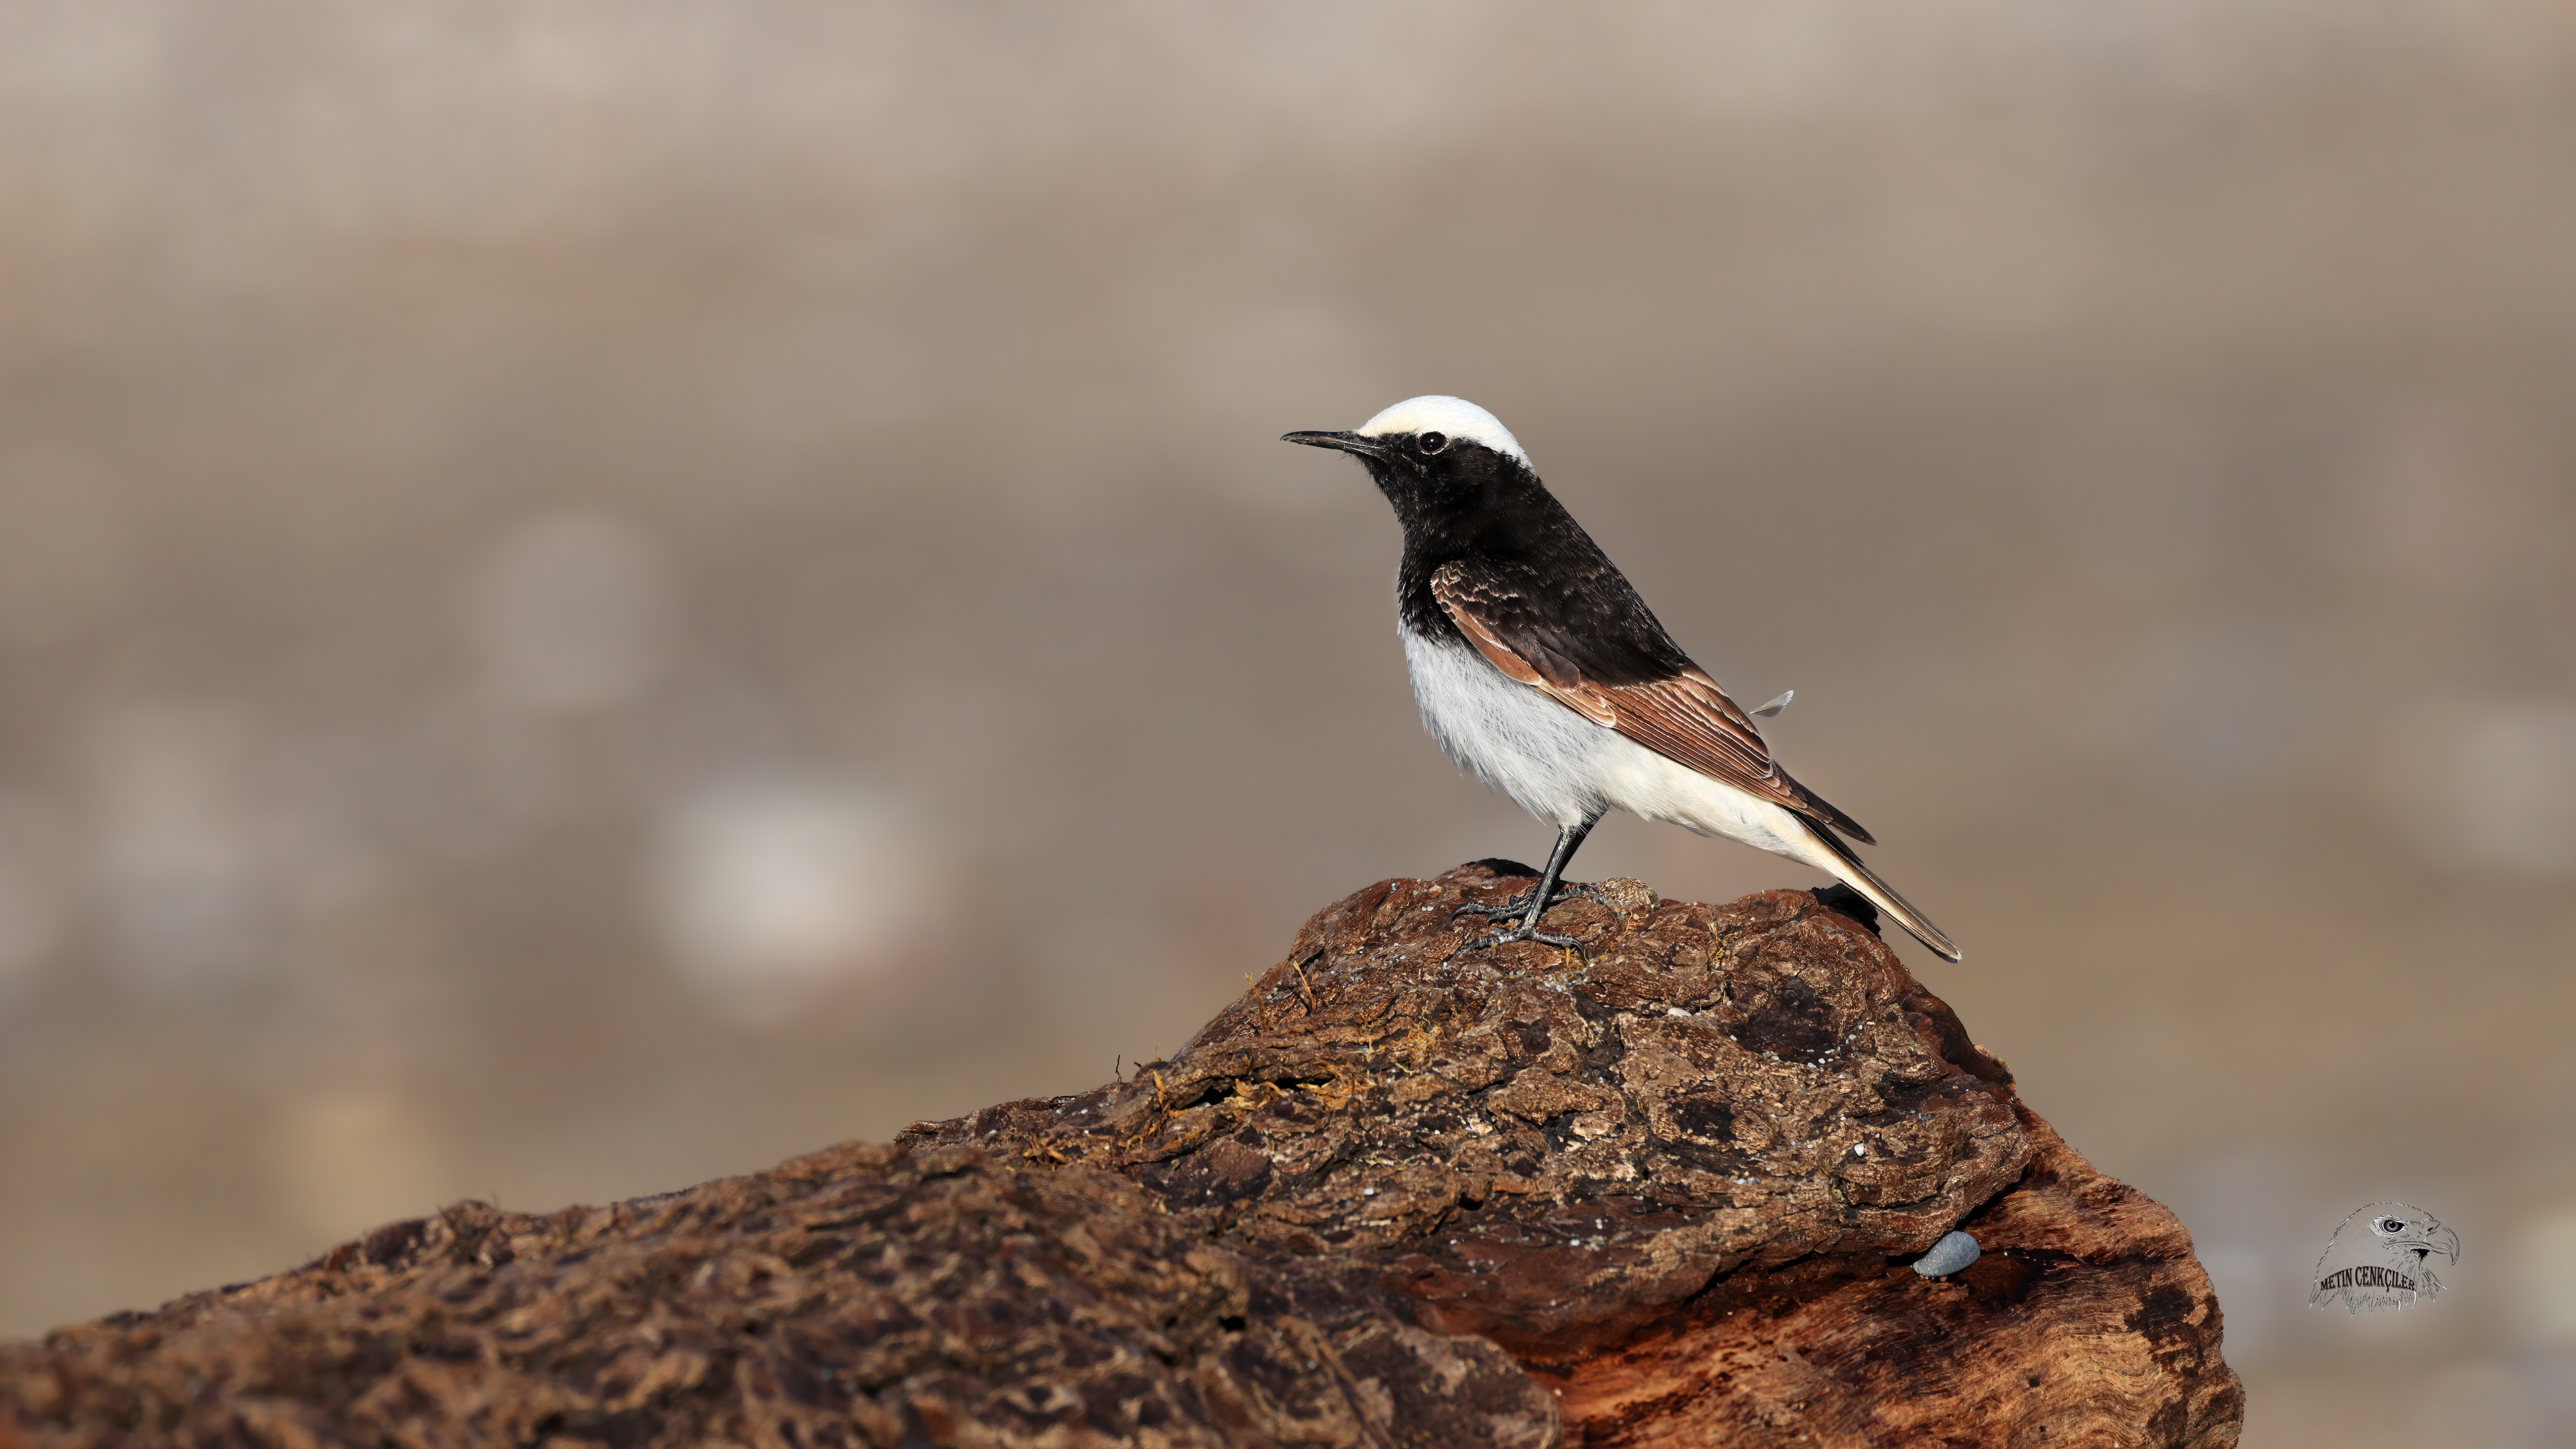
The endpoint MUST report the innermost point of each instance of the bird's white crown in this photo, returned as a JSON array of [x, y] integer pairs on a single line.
[[1455, 416]]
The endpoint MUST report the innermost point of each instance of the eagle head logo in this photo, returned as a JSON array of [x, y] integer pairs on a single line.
[[2381, 1256]]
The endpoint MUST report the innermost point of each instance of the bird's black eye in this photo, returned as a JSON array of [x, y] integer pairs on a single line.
[[1431, 442], [2392, 1225]]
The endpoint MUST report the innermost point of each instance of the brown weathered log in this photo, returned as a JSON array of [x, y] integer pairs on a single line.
[[1397, 1194]]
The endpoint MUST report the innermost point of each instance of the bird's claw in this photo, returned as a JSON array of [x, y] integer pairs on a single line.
[[1529, 933]]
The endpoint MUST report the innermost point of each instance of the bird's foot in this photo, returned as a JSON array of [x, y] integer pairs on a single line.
[[1519, 905], [1528, 931]]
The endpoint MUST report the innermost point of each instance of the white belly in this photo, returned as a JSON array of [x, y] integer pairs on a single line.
[[1565, 769]]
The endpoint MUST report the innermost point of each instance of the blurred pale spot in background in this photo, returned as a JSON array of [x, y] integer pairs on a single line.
[[182, 853], [593, 595], [2517, 787], [771, 892], [2484, 785]]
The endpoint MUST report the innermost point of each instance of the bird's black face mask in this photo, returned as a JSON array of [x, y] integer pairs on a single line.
[[1435, 482]]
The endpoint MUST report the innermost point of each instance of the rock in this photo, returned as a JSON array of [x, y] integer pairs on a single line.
[[863, 1295], [1954, 1252], [1395, 1195]]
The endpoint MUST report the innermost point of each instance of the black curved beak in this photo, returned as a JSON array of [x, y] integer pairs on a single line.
[[1346, 442]]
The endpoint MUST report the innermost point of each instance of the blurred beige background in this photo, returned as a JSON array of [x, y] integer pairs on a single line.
[[595, 594]]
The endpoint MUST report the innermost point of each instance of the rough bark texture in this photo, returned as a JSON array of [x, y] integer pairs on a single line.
[[1398, 1194]]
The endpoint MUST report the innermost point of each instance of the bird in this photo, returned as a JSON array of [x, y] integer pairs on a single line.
[[1540, 671], [2380, 1257]]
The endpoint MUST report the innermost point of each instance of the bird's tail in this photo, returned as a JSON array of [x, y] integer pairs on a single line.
[[1881, 894]]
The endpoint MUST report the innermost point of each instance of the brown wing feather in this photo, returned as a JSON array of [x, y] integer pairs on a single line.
[[1691, 720], [1574, 693], [1686, 718]]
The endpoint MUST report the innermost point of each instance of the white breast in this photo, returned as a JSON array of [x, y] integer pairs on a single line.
[[1508, 735]]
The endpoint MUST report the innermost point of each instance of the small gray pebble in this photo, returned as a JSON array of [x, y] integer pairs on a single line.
[[1954, 1252]]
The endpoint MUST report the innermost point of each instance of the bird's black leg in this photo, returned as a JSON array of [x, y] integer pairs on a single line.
[[1567, 841], [1541, 896]]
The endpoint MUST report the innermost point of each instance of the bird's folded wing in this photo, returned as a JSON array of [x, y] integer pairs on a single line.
[[1685, 717]]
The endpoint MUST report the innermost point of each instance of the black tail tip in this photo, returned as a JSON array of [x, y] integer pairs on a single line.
[[1843, 900]]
